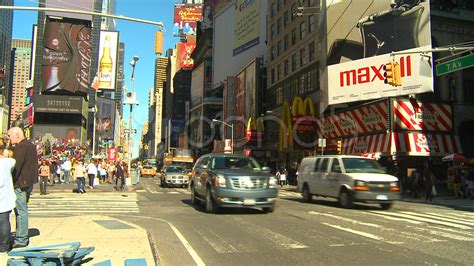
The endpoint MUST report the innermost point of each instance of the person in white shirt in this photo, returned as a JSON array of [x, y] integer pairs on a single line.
[[7, 200], [91, 173], [67, 170]]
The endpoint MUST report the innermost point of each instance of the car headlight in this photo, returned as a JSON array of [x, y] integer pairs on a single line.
[[273, 182], [361, 185], [219, 181]]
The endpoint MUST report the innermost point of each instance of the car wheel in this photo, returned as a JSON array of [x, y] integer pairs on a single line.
[[307, 197], [194, 199], [211, 206], [345, 199], [269, 209], [386, 205]]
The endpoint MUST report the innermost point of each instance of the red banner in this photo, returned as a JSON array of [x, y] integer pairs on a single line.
[[112, 154], [185, 51]]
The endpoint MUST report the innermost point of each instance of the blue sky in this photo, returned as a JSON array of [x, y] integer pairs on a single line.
[[138, 39]]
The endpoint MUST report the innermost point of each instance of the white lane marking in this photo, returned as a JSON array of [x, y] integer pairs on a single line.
[[422, 219], [462, 215], [444, 234], [220, 246], [346, 219], [461, 232], [188, 246], [451, 217], [439, 218], [280, 240], [396, 219], [360, 233], [172, 192]]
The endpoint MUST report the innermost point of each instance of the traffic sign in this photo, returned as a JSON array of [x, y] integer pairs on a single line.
[[455, 65]]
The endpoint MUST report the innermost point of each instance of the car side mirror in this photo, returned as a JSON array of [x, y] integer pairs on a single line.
[[266, 169]]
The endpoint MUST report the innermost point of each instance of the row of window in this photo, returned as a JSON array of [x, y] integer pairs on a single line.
[[300, 85], [278, 5], [298, 60]]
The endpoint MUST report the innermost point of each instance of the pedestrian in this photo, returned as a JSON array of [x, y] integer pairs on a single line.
[[91, 173], [429, 180], [415, 180], [120, 176], [67, 167], [111, 172], [283, 175], [457, 184], [102, 171], [52, 171], [25, 175], [470, 183], [58, 171], [7, 198], [79, 175], [44, 174]]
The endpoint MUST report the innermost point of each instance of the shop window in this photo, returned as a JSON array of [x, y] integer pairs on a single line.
[[302, 30], [312, 23]]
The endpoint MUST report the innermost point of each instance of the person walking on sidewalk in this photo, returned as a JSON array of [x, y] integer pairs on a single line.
[[91, 173], [429, 180], [79, 175], [67, 166], [25, 175], [44, 174], [7, 199], [120, 177]]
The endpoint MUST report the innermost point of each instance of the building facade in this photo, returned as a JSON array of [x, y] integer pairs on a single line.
[[21, 76], [6, 29]]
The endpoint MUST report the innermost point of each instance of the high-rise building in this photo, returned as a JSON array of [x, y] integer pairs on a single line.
[[108, 6], [21, 75], [156, 120], [6, 27]]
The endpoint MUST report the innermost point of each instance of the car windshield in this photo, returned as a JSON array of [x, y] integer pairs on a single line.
[[235, 163], [361, 165], [175, 169]]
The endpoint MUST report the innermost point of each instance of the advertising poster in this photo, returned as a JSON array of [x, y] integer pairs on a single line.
[[361, 35], [176, 126], [112, 154], [105, 119], [185, 51], [107, 68], [197, 85], [186, 17], [250, 90], [210, 8], [247, 25], [239, 109], [66, 57]]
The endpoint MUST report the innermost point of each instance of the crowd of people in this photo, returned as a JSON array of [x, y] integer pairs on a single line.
[[22, 165]]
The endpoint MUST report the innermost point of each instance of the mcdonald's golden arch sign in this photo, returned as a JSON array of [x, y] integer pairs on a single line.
[[254, 130], [297, 121]]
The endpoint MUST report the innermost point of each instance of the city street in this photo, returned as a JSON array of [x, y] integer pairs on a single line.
[[296, 233]]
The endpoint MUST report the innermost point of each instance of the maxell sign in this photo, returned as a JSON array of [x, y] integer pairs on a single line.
[[360, 37]]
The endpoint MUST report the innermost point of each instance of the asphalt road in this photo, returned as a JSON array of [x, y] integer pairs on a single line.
[[297, 233]]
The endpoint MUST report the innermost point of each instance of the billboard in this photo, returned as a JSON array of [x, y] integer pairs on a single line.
[[105, 120], [210, 8], [251, 90], [186, 17], [83, 5], [108, 51], [197, 85], [66, 57], [185, 49], [360, 37], [239, 107], [246, 25], [59, 104]]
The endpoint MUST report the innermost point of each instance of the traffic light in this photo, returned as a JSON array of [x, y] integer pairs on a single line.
[[392, 73], [339, 146]]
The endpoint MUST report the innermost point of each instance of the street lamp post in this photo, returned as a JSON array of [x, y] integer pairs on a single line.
[[231, 132], [131, 101]]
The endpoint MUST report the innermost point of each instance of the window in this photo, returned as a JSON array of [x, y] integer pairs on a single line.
[[293, 62], [273, 31], [285, 67], [336, 168], [302, 56], [279, 95], [312, 3], [285, 19], [302, 30], [311, 51], [279, 48], [293, 12], [278, 27], [279, 4], [273, 76], [286, 42], [323, 166], [274, 53], [312, 24], [274, 10], [302, 85], [279, 71], [293, 37]]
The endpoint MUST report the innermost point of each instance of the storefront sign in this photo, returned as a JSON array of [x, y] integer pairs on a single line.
[[415, 115]]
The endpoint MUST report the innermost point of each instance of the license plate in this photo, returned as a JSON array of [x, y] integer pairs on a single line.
[[249, 202], [382, 197]]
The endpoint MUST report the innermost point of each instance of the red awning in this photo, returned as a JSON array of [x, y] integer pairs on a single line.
[[425, 144], [379, 143]]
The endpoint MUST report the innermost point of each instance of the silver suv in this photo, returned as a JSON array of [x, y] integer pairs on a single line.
[[226, 180], [347, 178]]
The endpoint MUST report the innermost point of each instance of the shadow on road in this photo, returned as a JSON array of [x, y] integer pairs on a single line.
[[225, 211]]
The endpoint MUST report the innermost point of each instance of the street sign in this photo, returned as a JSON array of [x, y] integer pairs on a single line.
[[455, 65], [321, 142]]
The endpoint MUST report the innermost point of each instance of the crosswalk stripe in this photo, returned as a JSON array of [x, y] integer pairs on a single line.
[[97, 202], [346, 219], [364, 234], [422, 219], [439, 218], [447, 216], [444, 234]]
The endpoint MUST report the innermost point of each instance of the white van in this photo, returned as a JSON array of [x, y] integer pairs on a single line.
[[349, 179]]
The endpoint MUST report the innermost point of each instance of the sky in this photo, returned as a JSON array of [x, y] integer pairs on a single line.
[[139, 40]]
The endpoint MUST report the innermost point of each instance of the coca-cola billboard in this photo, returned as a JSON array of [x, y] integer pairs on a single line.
[[66, 57]]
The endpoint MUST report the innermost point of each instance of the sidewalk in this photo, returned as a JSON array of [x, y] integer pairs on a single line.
[[113, 239]]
